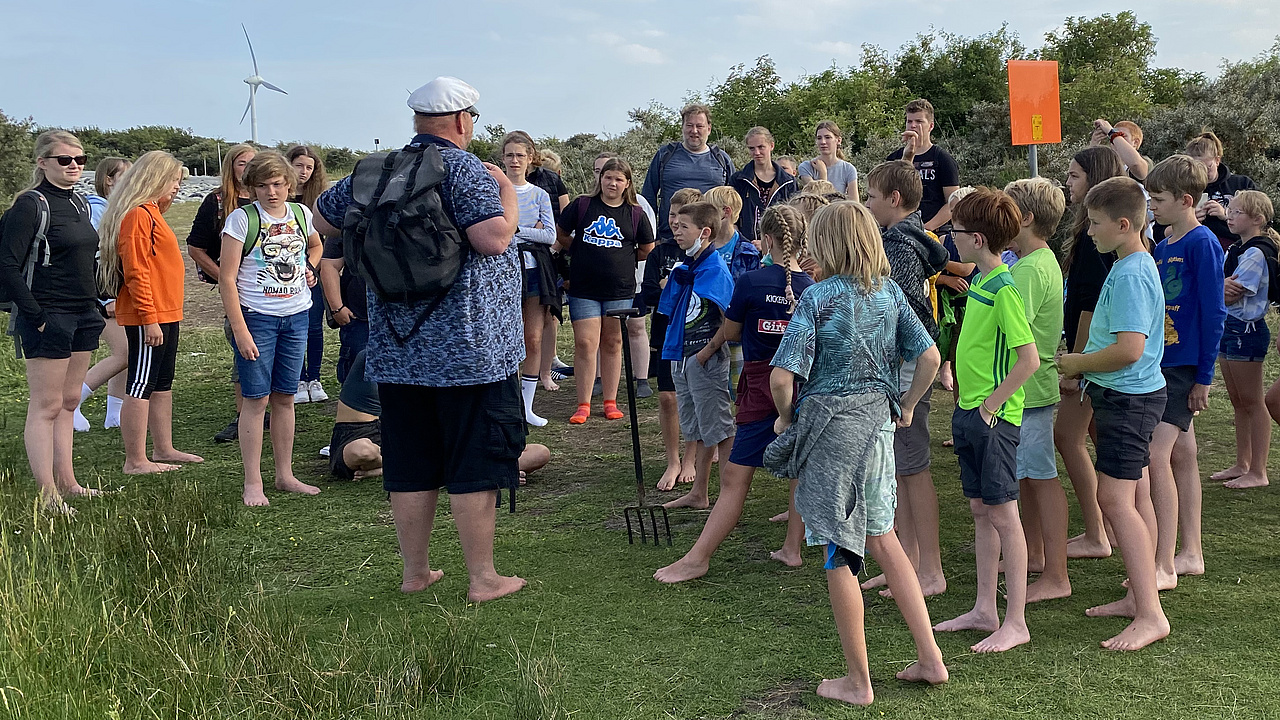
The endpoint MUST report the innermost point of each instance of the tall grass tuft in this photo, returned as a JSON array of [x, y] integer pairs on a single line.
[[130, 611], [538, 690]]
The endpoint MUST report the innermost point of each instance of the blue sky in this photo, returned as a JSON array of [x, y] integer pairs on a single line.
[[552, 67]]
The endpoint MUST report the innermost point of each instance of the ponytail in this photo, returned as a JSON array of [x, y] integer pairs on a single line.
[[786, 225]]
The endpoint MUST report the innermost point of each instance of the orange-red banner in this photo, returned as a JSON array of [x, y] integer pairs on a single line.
[[1035, 110]]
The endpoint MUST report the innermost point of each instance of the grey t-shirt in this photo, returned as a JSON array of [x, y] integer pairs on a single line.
[[840, 174]]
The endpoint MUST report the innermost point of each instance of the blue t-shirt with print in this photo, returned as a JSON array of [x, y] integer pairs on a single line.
[[726, 251], [1131, 300], [760, 305], [1190, 271], [475, 336], [844, 341]]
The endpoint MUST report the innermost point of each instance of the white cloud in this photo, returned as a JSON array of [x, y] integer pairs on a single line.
[[630, 52], [839, 49]]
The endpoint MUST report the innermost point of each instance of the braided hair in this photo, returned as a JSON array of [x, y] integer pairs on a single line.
[[786, 225]]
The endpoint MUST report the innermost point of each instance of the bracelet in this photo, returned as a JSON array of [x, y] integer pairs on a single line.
[[344, 307], [989, 410]]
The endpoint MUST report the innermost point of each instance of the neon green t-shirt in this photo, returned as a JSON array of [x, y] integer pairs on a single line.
[[994, 324], [1039, 281]]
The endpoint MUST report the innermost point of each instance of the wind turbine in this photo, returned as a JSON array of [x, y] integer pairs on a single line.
[[253, 81]]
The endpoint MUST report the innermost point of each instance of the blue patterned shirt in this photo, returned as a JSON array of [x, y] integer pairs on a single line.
[[844, 341], [475, 336]]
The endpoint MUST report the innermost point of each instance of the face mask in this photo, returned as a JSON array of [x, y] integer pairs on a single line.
[[767, 260], [693, 251]]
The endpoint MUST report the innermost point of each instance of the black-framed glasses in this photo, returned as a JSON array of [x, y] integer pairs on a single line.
[[957, 231], [472, 111], [66, 160]]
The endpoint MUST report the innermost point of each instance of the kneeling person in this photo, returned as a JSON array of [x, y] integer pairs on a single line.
[[355, 450]]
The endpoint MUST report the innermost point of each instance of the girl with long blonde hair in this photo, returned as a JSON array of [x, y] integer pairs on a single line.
[[140, 263], [846, 341], [762, 304], [204, 245], [109, 370], [54, 306]]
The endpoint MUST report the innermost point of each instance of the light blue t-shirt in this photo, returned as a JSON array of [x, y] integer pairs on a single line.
[[1255, 276], [839, 175], [726, 252], [1132, 300]]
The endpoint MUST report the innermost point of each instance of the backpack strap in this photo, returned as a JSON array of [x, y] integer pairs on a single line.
[[664, 153], [40, 240], [254, 229], [300, 217], [722, 159], [636, 214]]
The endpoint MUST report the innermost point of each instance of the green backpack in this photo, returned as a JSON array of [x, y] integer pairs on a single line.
[[254, 232]]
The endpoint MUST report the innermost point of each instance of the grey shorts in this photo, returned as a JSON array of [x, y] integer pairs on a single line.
[[1036, 458], [911, 444], [231, 341], [702, 397]]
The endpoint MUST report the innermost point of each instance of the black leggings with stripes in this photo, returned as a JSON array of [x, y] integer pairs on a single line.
[[151, 366]]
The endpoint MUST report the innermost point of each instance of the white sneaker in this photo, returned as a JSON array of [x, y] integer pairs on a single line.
[[316, 390], [303, 395], [324, 451]]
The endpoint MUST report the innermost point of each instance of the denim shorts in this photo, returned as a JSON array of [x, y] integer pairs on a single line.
[[585, 309], [282, 345], [1036, 458], [1245, 341]]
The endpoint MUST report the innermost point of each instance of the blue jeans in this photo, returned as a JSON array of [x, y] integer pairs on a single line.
[[586, 309], [281, 343], [352, 338], [315, 336]]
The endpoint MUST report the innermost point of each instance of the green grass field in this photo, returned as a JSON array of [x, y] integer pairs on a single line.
[[168, 599]]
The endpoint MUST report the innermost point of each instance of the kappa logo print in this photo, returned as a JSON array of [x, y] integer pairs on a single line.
[[603, 232]]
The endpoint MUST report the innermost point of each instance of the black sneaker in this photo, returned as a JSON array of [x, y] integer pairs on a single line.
[[642, 388], [230, 433]]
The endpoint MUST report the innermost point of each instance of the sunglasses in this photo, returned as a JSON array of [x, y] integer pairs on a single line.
[[66, 160]]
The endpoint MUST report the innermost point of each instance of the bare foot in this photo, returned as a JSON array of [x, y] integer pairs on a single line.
[[875, 582], [972, 620], [1185, 564], [1124, 607], [949, 442], [1006, 638], [1139, 635], [715, 456], [549, 385], [689, 501], [147, 468], [1246, 481], [78, 490], [669, 477], [1164, 580], [1230, 473], [494, 588], [786, 557], [845, 689], [928, 587], [254, 497], [294, 485], [377, 472], [680, 571], [932, 673], [176, 457], [687, 473], [55, 505], [1082, 547], [783, 516], [1046, 589], [418, 583]]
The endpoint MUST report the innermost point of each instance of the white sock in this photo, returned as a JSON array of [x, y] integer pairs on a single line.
[[85, 392], [113, 412], [528, 385]]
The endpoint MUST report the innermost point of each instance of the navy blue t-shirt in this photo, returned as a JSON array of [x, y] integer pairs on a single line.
[[760, 305]]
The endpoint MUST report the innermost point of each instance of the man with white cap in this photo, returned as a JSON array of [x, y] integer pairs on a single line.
[[452, 415]]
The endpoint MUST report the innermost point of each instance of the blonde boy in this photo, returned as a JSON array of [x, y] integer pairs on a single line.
[[1039, 280], [1121, 369]]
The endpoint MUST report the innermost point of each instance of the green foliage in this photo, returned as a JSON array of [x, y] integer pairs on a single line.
[[16, 146], [956, 72]]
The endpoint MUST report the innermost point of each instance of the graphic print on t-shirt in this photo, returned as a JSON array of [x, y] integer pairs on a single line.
[[603, 232], [279, 257]]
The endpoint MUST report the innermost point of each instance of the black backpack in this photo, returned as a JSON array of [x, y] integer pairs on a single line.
[[39, 244], [1268, 249], [396, 234]]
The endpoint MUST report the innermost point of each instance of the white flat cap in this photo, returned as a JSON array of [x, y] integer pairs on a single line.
[[443, 95]]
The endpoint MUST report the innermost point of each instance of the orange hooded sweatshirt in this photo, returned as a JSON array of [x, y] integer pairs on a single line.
[[153, 269]]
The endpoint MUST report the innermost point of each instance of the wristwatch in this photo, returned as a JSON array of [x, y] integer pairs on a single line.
[[1111, 136]]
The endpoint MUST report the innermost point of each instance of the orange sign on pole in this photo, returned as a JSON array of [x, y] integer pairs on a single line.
[[1035, 110]]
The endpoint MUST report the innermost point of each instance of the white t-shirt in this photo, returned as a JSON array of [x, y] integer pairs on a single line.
[[273, 276], [840, 174]]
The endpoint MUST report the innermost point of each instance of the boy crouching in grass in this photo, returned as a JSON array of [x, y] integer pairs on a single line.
[[996, 354], [695, 298], [1121, 369]]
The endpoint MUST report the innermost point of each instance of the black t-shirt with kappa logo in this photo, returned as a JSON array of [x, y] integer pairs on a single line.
[[604, 246]]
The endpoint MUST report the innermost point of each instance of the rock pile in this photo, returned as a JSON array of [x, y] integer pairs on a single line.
[[193, 189]]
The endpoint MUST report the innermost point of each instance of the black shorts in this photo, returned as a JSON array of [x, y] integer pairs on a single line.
[[151, 368], [466, 439], [1178, 382], [988, 457], [345, 433], [666, 383], [64, 333], [1125, 424]]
